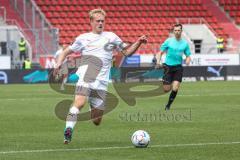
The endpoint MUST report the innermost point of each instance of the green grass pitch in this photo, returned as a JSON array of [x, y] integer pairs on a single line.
[[204, 123]]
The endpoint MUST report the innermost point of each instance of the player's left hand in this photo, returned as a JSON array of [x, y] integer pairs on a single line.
[[143, 39], [187, 61]]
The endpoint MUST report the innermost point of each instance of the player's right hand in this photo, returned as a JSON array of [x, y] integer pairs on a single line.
[[143, 39]]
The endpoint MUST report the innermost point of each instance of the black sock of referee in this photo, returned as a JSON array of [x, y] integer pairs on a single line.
[[171, 99]]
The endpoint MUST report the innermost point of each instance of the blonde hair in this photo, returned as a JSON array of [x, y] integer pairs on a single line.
[[94, 11]]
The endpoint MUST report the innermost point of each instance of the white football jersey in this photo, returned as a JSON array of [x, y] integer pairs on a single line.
[[100, 46]]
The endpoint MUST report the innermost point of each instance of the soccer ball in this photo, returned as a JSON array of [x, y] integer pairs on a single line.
[[140, 139]]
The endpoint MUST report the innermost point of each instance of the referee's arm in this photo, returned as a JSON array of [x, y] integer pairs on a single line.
[[159, 57], [188, 60]]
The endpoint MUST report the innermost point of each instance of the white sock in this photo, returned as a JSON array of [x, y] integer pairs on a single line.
[[72, 117]]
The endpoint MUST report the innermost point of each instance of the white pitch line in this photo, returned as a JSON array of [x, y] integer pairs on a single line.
[[126, 147], [34, 98], [181, 95]]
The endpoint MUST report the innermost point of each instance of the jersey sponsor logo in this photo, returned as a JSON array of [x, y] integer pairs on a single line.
[[215, 71]]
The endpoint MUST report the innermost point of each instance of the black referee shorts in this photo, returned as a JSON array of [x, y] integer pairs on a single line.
[[172, 73]]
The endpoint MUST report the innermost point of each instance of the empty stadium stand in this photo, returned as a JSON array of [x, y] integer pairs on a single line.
[[232, 8], [128, 19], [226, 22], [13, 18], [12, 14]]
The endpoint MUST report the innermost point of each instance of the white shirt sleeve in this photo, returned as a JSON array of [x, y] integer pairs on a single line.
[[120, 45], [77, 46]]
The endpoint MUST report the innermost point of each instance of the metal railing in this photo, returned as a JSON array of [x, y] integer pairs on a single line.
[[43, 36], [231, 46], [196, 21]]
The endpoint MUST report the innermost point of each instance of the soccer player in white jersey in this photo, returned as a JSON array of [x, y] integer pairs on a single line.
[[98, 57]]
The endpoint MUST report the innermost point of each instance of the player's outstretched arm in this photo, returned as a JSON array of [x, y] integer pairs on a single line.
[[129, 50], [62, 56]]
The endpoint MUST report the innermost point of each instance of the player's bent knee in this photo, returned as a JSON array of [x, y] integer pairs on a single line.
[[175, 88], [79, 101], [166, 88], [78, 105]]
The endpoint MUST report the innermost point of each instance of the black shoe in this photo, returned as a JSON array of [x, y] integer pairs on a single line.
[[167, 107], [68, 135]]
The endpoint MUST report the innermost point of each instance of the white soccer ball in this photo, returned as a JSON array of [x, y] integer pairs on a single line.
[[140, 139]]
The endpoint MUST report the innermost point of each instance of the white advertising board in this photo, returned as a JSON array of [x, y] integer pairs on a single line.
[[5, 62], [214, 59], [202, 59]]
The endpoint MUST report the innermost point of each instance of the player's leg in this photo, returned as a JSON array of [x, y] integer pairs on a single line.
[[173, 94], [96, 115], [167, 87], [167, 79], [78, 103], [177, 79], [97, 103], [64, 72], [71, 120]]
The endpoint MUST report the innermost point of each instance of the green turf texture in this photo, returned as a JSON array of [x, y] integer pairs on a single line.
[[203, 112]]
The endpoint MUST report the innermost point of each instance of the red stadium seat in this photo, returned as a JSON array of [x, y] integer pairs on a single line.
[[232, 7], [130, 18]]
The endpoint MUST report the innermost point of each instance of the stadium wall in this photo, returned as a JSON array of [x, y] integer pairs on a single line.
[[127, 74], [193, 73], [207, 41]]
